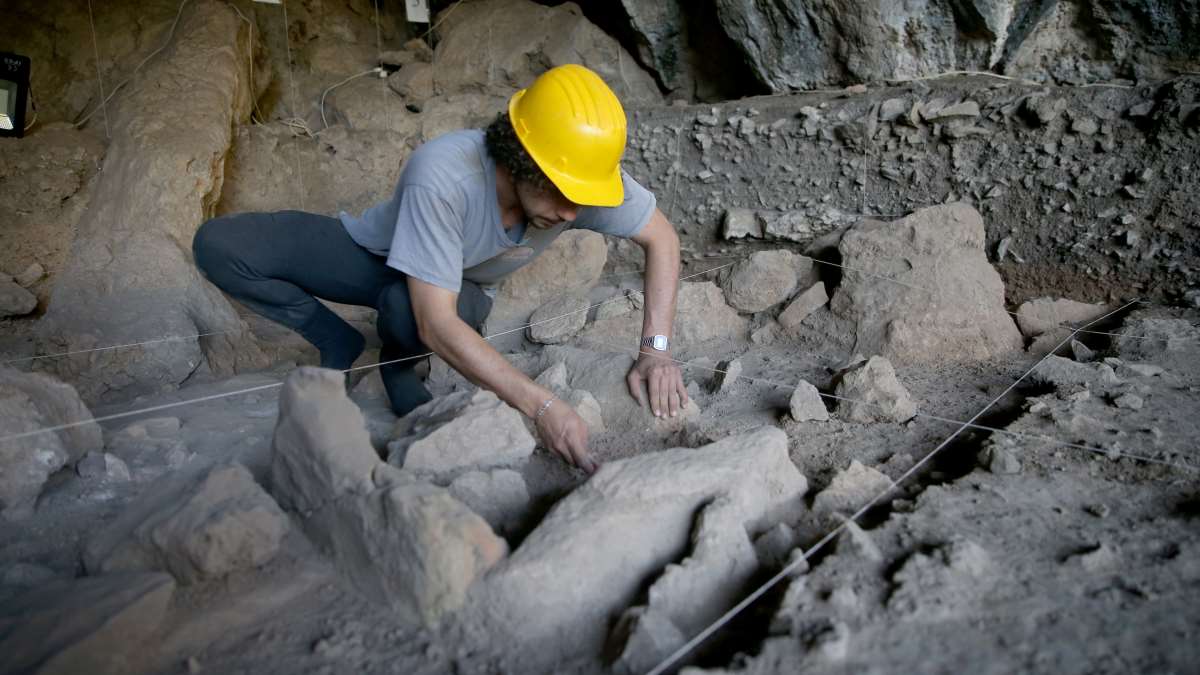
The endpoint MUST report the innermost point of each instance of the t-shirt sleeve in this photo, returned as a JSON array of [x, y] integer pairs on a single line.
[[428, 241], [625, 220]]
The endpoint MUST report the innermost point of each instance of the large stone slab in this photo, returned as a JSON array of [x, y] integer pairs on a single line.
[[398, 540], [130, 277], [625, 525], [571, 265], [460, 432], [197, 527], [920, 289], [97, 625], [1042, 315], [30, 402]]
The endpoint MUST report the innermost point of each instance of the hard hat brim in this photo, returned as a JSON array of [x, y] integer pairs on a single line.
[[607, 191]]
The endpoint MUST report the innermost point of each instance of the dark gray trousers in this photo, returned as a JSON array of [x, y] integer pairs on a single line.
[[278, 263]]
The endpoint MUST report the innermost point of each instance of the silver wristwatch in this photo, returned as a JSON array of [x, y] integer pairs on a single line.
[[658, 343]]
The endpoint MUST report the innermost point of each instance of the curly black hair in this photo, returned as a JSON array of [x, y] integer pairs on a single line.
[[506, 150]]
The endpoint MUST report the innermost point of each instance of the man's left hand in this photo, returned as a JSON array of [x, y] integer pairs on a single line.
[[662, 377]]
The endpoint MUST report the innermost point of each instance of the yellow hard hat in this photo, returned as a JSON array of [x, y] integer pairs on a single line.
[[573, 127]]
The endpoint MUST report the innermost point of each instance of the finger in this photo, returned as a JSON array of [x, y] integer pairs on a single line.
[[673, 401], [655, 405], [634, 380], [664, 393], [683, 392]]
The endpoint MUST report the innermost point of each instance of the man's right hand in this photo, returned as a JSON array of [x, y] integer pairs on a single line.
[[565, 432]]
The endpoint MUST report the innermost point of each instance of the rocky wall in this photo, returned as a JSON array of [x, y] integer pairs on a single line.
[[1085, 191]]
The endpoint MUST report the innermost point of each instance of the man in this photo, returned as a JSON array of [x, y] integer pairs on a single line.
[[470, 207]]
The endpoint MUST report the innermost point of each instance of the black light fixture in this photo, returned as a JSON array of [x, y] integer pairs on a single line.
[[14, 92]]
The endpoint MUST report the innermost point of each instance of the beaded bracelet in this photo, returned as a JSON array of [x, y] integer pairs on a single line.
[[542, 410]]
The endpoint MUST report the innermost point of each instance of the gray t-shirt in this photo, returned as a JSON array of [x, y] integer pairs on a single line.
[[442, 223]]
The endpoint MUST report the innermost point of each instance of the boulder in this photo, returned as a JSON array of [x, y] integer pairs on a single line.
[[461, 431], [790, 45], [408, 545], [572, 264], [727, 373], [806, 404], [764, 280], [100, 625], [398, 540], [851, 489], [103, 466], [585, 404], [130, 276], [701, 314], [31, 275], [414, 81], [660, 28], [15, 300], [502, 45], [197, 526], [558, 320], [30, 402], [499, 496], [920, 289], [628, 524], [870, 392], [804, 304], [1062, 373], [1042, 315], [321, 448]]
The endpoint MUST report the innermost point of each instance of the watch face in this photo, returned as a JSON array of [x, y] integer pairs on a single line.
[[660, 343]]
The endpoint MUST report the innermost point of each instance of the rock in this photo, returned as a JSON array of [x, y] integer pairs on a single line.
[[30, 402], [504, 44], [727, 372], [1053, 341], [1082, 352], [572, 264], [1145, 338], [645, 637], [1085, 126], [935, 585], [662, 44], [789, 46], [558, 320], [1128, 401], [554, 378], [856, 543], [628, 522], [700, 315], [198, 527], [15, 300], [101, 465], [161, 175], [806, 404], [741, 223], [999, 459], [1097, 558], [943, 302], [461, 431], [499, 496], [399, 541], [963, 109], [851, 489], [1145, 369], [774, 547], [414, 82], [763, 280], [874, 394], [588, 408], [803, 305], [892, 109], [1044, 108], [31, 275], [408, 545], [1061, 373], [1041, 315], [96, 625], [321, 448]]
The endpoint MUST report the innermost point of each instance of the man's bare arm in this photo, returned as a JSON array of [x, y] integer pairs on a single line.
[[662, 378], [441, 329]]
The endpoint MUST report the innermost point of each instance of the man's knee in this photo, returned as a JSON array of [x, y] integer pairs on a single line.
[[212, 246]]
